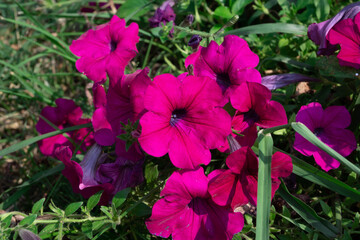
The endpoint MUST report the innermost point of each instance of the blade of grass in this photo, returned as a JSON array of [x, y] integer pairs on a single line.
[[308, 214], [264, 186], [269, 28], [317, 176], [27, 142], [60, 43], [308, 135]]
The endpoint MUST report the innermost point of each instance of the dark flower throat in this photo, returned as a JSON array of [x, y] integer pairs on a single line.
[[251, 117], [223, 80], [176, 115], [113, 45]]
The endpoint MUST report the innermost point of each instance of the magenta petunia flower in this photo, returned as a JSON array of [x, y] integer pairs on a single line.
[[186, 210], [229, 64], [103, 132], [347, 34], [238, 185], [254, 108], [66, 114], [82, 176], [183, 119], [318, 32], [98, 171], [329, 126], [107, 49], [125, 99]]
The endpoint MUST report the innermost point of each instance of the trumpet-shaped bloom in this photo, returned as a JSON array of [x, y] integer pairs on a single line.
[[186, 210], [125, 99], [238, 185], [183, 119], [318, 32], [329, 126], [163, 14], [66, 114], [254, 108], [103, 132], [228, 65], [347, 34], [107, 49], [98, 171]]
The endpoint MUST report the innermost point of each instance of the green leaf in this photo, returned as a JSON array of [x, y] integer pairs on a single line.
[[120, 197], [141, 210], [308, 135], [93, 201], [27, 142], [269, 28], [133, 9], [28, 220], [49, 229], [326, 209], [86, 228], [312, 174], [72, 207], [239, 6], [37, 206], [264, 186], [308, 214], [223, 12], [322, 9], [5, 223], [151, 172]]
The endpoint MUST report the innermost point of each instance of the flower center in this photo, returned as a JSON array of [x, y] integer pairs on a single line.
[[223, 80], [251, 117], [318, 131], [197, 205], [113, 45], [176, 115]]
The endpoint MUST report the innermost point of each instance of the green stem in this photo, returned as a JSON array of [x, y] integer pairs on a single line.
[[274, 129], [200, 33], [147, 53]]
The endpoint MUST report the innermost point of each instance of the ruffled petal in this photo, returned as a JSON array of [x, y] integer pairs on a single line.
[[281, 165], [156, 134]]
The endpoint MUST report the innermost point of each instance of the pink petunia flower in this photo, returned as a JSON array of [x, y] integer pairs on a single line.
[[66, 114], [186, 210], [125, 99], [98, 171], [329, 126], [229, 64], [107, 49], [347, 34], [238, 185], [103, 132], [183, 119], [318, 32], [82, 176], [254, 108]]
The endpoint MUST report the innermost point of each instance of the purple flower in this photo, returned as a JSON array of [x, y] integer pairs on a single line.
[[163, 15], [194, 41], [347, 34], [328, 125], [97, 172], [317, 32], [273, 82], [187, 211]]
